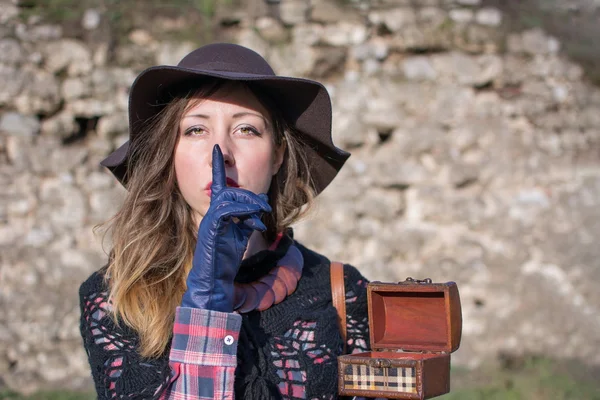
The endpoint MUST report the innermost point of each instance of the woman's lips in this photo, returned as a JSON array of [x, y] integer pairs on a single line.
[[230, 183]]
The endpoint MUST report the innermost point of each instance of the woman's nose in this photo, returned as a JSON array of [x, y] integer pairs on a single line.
[[228, 157]]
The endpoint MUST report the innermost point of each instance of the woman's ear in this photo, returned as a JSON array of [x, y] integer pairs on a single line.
[[278, 159]]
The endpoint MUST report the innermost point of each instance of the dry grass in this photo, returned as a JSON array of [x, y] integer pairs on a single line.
[[515, 378]]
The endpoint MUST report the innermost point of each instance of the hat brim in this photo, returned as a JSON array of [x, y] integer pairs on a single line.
[[305, 105]]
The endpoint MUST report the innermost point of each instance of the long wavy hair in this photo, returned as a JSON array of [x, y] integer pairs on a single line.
[[154, 234]]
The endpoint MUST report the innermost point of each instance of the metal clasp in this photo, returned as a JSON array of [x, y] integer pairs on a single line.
[[380, 363], [412, 280]]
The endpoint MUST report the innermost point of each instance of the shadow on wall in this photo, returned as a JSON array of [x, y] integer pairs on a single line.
[[111, 21], [573, 22]]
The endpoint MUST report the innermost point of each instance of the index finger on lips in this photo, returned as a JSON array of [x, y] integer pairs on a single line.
[[219, 178]]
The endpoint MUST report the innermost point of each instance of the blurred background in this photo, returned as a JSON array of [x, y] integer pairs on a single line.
[[475, 132]]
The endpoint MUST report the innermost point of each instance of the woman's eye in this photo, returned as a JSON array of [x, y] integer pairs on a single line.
[[249, 131], [194, 131]]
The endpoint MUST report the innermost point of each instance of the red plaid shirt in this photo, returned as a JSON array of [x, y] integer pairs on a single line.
[[203, 354]]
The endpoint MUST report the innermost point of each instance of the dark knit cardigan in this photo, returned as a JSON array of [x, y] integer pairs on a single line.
[[292, 345]]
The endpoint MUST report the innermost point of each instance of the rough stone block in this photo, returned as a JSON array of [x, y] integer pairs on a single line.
[[327, 11], [13, 123], [40, 94], [61, 125], [344, 34], [272, 30], [419, 68], [489, 16], [394, 19], [293, 12], [11, 52], [468, 2], [68, 55], [461, 15]]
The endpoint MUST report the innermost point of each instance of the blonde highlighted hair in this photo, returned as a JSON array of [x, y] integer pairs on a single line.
[[154, 234]]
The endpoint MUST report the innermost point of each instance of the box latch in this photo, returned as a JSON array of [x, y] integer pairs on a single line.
[[380, 363]]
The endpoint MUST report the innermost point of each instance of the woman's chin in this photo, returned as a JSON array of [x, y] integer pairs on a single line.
[[198, 215]]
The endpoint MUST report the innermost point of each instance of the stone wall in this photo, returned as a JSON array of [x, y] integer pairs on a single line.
[[474, 159]]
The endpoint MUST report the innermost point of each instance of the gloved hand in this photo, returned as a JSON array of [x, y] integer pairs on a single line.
[[223, 235]]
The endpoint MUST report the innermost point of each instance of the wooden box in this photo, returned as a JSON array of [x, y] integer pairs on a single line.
[[414, 326]]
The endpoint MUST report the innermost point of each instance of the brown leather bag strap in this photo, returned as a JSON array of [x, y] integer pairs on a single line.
[[338, 296]]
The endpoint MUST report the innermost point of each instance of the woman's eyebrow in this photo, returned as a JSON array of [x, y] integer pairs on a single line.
[[246, 113], [236, 115], [196, 116]]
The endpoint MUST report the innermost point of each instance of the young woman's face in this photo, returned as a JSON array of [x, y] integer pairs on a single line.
[[234, 119]]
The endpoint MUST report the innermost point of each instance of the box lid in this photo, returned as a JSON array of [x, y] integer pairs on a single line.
[[415, 315]]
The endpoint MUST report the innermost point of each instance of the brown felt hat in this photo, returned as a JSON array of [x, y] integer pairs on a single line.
[[304, 104]]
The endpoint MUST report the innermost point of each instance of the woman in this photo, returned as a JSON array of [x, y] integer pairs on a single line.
[[206, 294]]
